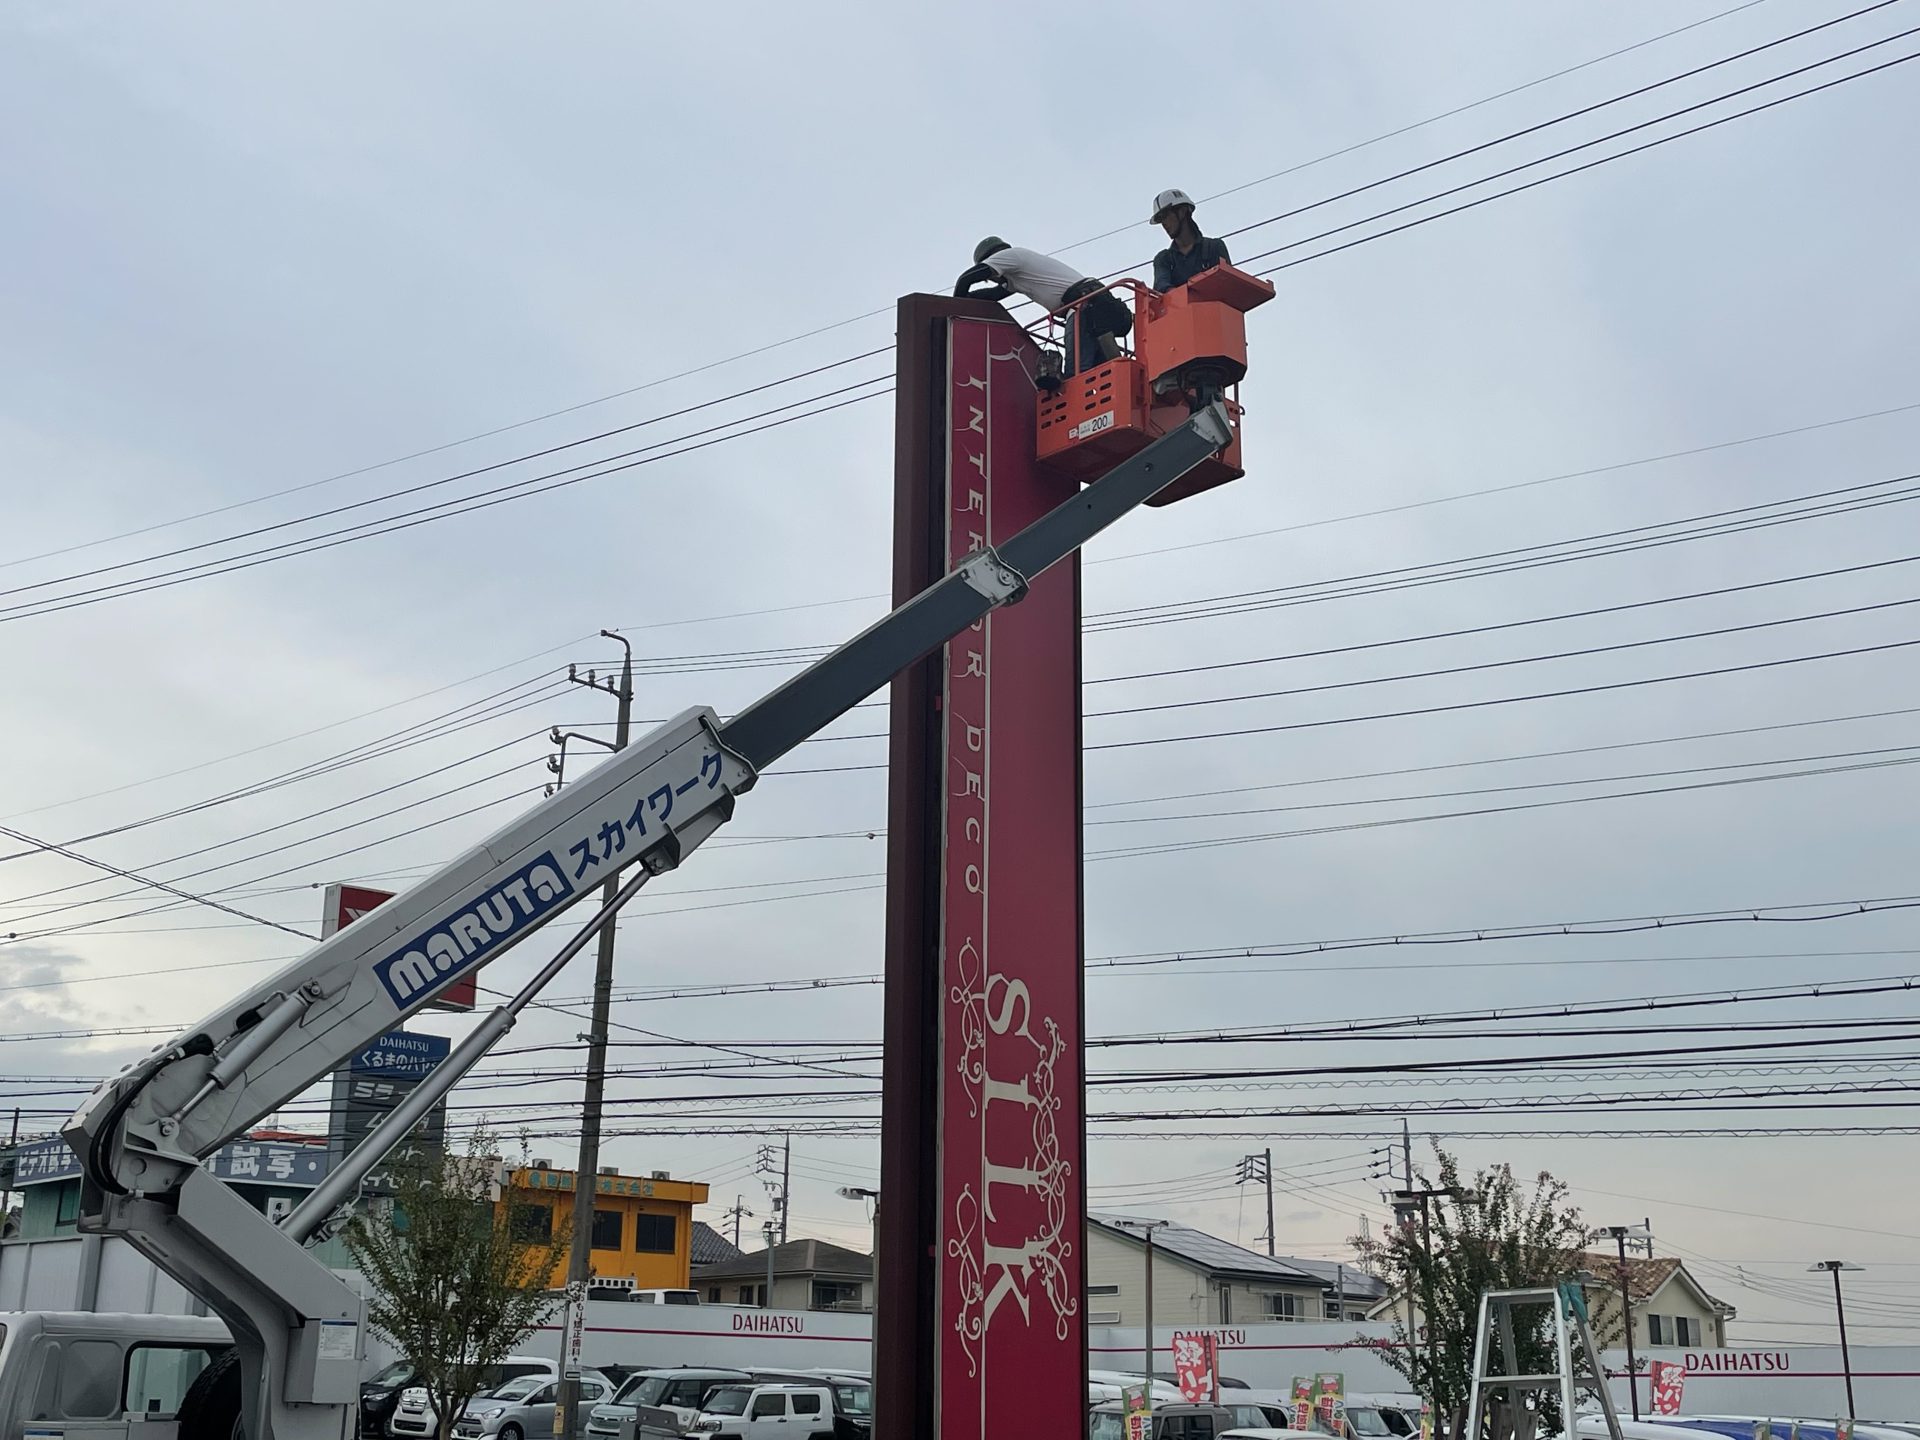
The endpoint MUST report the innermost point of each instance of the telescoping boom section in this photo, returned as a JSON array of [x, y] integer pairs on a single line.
[[143, 1134]]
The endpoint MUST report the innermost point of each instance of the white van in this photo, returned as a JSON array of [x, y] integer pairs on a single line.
[[105, 1377]]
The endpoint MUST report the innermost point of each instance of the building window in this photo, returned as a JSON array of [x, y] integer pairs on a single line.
[[606, 1229], [1657, 1329], [1332, 1309], [1103, 1289], [752, 1295], [835, 1295], [1103, 1317], [531, 1224], [713, 1294], [655, 1234], [67, 1209], [1686, 1331], [1283, 1306]]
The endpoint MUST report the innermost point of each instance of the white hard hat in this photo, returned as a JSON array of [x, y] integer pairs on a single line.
[[1165, 201]]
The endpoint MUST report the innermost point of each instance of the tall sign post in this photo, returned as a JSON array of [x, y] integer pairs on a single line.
[[980, 1330], [375, 1080]]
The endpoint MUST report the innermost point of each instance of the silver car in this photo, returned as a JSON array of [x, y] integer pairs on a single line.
[[525, 1407]]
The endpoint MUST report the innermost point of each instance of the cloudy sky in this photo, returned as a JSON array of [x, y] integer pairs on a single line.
[[264, 273]]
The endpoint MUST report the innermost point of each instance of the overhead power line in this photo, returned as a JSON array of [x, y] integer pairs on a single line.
[[762, 349], [523, 488]]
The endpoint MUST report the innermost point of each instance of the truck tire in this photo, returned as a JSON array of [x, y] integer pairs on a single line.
[[210, 1410]]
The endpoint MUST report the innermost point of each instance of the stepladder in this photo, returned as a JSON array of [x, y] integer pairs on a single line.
[[1507, 1402]]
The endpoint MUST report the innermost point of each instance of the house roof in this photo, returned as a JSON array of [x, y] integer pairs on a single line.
[[1338, 1278], [796, 1257], [1208, 1252], [1644, 1277], [710, 1247]]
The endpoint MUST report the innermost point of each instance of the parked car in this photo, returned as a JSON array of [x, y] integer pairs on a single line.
[[664, 1402], [1251, 1415], [524, 1407], [1175, 1420], [852, 1397], [379, 1396], [1108, 1385], [780, 1411], [414, 1418]]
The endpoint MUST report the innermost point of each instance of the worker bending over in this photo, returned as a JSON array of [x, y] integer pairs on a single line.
[[1191, 252], [1050, 284]]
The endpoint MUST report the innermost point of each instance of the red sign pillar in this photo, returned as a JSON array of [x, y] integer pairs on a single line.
[[980, 1329]]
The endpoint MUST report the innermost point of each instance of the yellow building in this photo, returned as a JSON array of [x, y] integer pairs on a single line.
[[642, 1228]]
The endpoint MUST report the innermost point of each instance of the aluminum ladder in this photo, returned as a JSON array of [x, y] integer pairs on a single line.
[[1496, 1328]]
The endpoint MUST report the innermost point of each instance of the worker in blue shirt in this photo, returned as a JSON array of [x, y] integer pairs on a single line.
[[1190, 252]]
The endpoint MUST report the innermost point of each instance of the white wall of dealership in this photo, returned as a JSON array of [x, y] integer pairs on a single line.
[[88, 1273]]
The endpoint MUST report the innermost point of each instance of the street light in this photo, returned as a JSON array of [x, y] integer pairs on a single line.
[[1834, 1267], [860, 1192], [1622, 1234]]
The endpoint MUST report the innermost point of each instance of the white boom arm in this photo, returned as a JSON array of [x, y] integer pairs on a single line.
[[143, 1134]]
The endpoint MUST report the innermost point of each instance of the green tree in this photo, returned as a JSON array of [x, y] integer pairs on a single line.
[[1487, 1233], [456, 1284]]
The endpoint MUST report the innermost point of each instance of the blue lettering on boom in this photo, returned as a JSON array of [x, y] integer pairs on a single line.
[[474, 932]]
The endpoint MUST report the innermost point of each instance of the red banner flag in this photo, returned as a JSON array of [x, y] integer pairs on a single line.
[[1193, 1366], [1668, 1378]]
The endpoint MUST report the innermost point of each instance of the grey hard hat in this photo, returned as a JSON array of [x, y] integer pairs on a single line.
[[989, 246]]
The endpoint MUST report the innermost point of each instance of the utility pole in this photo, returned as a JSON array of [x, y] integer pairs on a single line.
[[1147, 1227], [769, 1232], [586, 1185], [1834, 1267], [786, 1186], [1403, 1203], [13, 1144], [1260, 1167], [736, 1214], [1621, 1234]]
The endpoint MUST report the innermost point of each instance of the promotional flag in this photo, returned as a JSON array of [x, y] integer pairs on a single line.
[[1668, 1379], [1302, 1402], [1330, 1399], [1426, 1420], [1193, 1367], [1138, 1400]]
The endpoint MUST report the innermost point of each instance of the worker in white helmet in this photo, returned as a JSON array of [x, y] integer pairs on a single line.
[[1050, 284], [1190, 252]]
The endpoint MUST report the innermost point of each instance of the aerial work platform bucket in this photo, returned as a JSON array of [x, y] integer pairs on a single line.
[[1190, 345]]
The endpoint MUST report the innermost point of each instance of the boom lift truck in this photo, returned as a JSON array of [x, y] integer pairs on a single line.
[[295, 1370]]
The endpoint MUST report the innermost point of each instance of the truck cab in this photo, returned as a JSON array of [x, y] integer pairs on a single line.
[[102, 1377]]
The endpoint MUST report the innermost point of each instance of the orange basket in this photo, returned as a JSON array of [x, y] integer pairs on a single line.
[[1111, 411]]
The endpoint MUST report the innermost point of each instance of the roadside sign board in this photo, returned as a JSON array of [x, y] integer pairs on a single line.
[[347, 903]]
